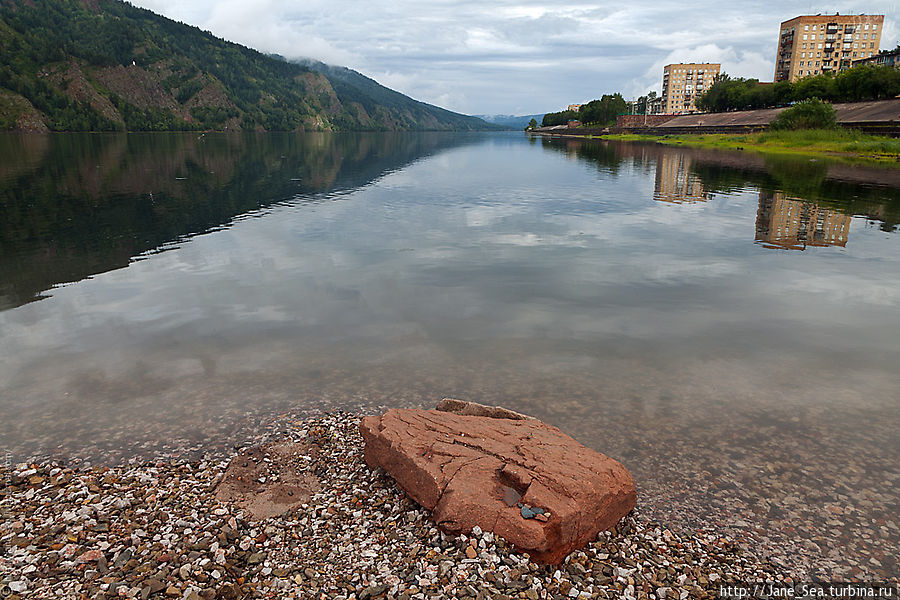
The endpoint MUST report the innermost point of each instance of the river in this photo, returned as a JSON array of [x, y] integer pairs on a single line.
[[724, 324]]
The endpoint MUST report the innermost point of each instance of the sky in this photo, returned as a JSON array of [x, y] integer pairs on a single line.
[[514, 57]]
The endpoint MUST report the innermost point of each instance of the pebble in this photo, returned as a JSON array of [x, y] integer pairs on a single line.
[[153, 529]]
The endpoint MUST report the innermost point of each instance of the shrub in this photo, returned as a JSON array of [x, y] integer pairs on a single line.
[[807, 114]]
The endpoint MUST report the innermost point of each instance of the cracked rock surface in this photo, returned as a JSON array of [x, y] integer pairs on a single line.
[[473, 470]]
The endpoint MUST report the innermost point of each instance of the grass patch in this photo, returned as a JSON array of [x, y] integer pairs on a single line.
[[840, 140], [848, 142]]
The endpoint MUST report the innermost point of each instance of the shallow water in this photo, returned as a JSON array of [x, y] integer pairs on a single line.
[[725, 325]]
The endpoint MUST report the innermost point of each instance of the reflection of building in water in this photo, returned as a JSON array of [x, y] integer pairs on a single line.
[[794, 224], [674, 180]]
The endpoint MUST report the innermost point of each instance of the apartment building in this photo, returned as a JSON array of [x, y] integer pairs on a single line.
[[683, 82], [814, 44], [890, 58], [676, 182], [796, 224]]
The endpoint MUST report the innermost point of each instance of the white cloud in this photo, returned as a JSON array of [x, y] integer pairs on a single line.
[[509, 57]]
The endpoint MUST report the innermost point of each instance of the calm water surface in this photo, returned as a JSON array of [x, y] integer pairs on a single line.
[[725, 325]]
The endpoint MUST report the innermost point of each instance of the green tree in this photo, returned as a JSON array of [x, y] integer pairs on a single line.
[[867, 82], [782, 93], [728, 93], [806, 114], [714, 99], [603, 112], [558, 118], [815, 86], [532, 124]]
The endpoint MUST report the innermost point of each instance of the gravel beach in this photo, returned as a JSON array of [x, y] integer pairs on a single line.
[[156, 530]]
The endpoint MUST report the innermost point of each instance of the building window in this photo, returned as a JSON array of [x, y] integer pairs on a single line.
[[871, 44], [806, 28], [812, 37]]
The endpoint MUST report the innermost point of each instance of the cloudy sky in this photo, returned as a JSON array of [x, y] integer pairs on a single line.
[[514, 57]]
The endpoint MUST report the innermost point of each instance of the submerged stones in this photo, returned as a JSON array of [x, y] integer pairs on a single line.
[[270, 480], [465, 462], [358, 536]]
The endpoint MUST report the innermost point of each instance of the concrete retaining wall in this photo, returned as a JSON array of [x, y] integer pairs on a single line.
[[881, 116], [626, 121]]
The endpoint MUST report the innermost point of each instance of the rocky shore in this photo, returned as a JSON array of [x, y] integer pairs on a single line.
[[160, 530]]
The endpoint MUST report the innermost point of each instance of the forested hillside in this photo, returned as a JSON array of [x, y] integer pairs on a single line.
[[95, 65], [354, 87]]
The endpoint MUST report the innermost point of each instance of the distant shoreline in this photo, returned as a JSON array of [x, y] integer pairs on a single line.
[[838, 144]]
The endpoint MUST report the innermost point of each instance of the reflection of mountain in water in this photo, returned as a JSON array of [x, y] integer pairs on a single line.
[[75, 205], [695, 174], [792, 224]]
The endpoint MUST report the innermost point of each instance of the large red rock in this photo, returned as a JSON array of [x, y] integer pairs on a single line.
[[470, 466]]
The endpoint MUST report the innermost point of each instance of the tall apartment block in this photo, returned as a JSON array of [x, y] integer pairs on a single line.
[[683, 82], [814, 44], [795, 224]]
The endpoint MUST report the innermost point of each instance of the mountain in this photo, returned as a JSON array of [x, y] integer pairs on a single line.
[[88, 65], [72, 206], [352, 86], [511, 121]]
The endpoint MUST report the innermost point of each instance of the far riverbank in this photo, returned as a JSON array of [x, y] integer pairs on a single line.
[[842, 144]]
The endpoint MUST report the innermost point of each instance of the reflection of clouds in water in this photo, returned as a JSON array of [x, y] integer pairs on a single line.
[[666, 269], [489, 215], [852, 289], [533, 239], [660, 334], [526, 269], [447, 262]]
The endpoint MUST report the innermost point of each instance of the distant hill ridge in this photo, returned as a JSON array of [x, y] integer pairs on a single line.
[[511, 121], [100, 65]]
